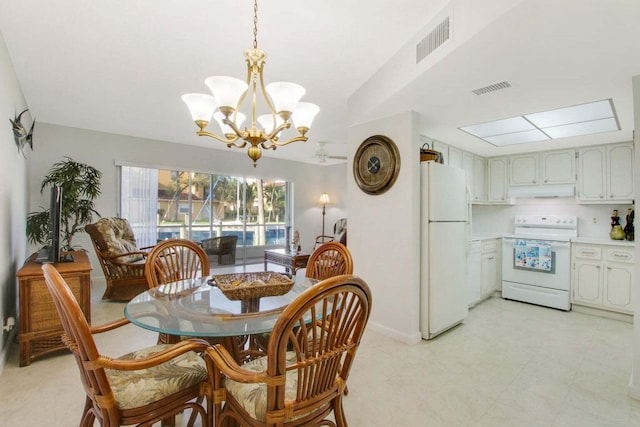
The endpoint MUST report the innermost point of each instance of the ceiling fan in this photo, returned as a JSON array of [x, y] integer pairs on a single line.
[[322, 154]]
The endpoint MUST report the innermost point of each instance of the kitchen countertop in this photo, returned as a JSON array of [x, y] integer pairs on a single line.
[[602, 241], [597, 240], [485, 236]]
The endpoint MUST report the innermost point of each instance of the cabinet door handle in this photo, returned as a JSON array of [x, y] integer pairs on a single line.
[[587, 252], [619, 255]]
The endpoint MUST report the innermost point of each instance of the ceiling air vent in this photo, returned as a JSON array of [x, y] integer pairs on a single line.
[[433, 40], [491, 88]]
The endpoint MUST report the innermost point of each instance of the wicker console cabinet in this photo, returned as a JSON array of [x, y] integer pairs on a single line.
[[40, 329]]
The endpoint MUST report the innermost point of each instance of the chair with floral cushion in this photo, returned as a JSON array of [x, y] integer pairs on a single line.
[[140, 388], [121, 260], [302, 378]]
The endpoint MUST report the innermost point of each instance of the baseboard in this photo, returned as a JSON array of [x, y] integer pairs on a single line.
[[634, 389], [602, 313], [410, 339], [4, 355]]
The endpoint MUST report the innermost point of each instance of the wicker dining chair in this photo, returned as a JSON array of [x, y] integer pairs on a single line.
[[175, 259], [140, 388], [172, 260], [302, 378], [328, 260]]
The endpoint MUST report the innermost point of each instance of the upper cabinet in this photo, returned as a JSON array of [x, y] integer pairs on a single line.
[[605, 174], [524, 169], [497, 179], [546, 168], [558, 167]]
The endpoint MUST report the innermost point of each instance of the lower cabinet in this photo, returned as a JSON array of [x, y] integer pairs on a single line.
[[484, 270], [474, 272], [602, 277], [491, 268]]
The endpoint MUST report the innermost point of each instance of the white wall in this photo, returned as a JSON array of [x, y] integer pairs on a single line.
[[384, 231], [13, 195], [634, 386], [102, 150]]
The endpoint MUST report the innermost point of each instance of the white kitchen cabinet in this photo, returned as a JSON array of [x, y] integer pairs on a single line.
[[474, 272], [524, 169], [603, 277], [455, 157], [490, 268], [558, 167], [478, 182], [497, 179], [605, 174], [546, 168]]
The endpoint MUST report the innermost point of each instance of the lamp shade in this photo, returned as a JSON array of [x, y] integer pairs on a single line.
[[304, 114], [266, 121], [200, 105], [284, 95], [324, 199], [226, 90]]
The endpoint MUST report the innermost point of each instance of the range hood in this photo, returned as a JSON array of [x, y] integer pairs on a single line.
[[542, 191]]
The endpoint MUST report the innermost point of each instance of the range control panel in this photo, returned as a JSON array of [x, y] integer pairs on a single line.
[[547, 221]]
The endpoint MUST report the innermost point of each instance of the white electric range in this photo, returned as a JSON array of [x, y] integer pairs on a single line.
[[536, 260]]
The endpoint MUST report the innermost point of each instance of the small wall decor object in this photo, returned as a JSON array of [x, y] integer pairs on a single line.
[[629, 229], [616, 233], [20, 133]]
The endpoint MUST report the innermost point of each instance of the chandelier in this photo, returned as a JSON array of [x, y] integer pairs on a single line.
[[228, 93]]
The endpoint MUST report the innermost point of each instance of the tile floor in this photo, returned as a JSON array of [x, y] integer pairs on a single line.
[[510, 364]]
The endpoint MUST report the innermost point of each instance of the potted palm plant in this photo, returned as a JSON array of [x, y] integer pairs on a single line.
[[80, 185]]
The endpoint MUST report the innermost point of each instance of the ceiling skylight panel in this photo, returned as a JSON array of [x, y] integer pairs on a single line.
[[517, 138], [575, 114], [499, 127], [584, 128]]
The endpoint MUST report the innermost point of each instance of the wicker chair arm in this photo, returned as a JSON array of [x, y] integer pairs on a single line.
[[109, 326], [114, 258], [224, 362], [172, 352]]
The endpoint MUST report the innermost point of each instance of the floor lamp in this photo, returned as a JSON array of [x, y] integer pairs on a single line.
[[324, 200]]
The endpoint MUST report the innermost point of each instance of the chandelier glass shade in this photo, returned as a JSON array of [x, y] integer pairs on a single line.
[[280, 99]]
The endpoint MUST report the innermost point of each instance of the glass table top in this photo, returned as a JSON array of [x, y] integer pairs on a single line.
[[197, 308]]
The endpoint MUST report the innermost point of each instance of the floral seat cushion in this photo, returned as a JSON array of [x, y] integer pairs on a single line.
[[253, 397], [133, 389]]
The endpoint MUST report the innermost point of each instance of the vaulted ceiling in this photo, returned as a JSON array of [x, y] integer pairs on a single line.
[[120, 66]]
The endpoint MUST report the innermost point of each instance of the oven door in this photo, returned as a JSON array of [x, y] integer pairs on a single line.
[[536, 262]]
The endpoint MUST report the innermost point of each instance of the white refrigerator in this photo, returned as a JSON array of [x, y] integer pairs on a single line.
[[444, 233]]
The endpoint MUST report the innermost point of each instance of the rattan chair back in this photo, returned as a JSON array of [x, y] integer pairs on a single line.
[[175, 259], [328, 260]]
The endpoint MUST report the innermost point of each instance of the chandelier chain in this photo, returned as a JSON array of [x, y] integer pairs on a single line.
[[255, 24]]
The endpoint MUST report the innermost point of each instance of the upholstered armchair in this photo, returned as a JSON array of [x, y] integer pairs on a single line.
[[339, 234], [121, 260], [224, 247]]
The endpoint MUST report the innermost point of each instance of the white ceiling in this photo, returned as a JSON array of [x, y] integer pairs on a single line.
[[120, 66]]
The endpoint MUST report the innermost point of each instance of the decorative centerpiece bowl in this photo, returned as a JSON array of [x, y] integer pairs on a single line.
[[241, 286]]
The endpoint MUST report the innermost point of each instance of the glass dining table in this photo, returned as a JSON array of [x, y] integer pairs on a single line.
[[198, 308]]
